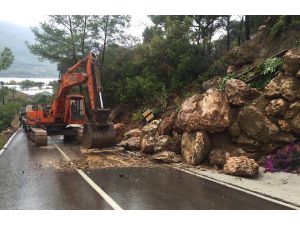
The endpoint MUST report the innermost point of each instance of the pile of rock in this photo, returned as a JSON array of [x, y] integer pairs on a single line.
[[153, 139], [231, 127]]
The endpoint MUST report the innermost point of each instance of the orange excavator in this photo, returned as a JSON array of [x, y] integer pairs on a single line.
[[69, 112]]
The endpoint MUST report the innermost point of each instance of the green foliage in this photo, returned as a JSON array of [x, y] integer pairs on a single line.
[[67, 38], [142, 90], [272, 65], [25, 84], [268, 71], [6, 58], [278, 27], [224, 81], [137, 116], [7, 113]]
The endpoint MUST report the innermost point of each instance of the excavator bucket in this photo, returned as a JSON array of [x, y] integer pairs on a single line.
[[96, 136]]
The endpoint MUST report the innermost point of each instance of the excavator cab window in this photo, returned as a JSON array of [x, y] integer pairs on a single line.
[[77, 109]]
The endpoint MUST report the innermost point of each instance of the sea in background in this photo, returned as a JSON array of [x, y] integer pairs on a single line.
[[33, 90]]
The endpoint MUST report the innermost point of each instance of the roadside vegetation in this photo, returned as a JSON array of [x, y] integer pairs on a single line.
[[176, 55]]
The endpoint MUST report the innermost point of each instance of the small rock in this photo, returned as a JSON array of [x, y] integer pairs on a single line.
[[166, 157], [194, 147], [241, 166], [212, 83], [293, 110], [284, 125], [218, 156], [132, 143], [151, 127], [147, 144], [276, 107], [133, 133]]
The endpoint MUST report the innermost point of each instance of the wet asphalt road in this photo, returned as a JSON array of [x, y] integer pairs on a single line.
[[29, 180]]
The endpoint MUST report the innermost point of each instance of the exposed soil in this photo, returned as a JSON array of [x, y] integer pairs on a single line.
[[105, 159]]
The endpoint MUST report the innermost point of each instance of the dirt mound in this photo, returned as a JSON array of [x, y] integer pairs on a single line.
[[106, 159]]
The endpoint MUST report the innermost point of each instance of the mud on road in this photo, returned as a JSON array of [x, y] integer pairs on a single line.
[[98, 159]]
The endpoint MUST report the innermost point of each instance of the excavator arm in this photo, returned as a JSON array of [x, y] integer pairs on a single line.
[[98, 132]]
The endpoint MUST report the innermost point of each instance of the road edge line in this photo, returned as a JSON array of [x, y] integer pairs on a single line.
[[8, 141], [98, 189], [248, 191]]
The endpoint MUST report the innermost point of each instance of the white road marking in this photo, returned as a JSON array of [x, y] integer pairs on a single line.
[[7, 143], [238, 188], [99, 190]]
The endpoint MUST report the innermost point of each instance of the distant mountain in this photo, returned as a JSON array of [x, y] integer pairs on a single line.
[[25, 63]]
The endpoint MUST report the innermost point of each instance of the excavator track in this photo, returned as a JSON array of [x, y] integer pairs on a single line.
[[95, 136], [38, 136]]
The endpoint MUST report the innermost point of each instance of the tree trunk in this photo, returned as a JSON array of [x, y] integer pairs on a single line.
[[228, 32], [73, 42], [288, 20], [83, 38], [247, 27], [104, 43], [240, 31]]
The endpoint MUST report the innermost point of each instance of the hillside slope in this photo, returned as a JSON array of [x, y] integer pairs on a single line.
[[25, 63]]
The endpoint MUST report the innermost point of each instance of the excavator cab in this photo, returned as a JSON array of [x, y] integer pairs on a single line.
[[75, 110]]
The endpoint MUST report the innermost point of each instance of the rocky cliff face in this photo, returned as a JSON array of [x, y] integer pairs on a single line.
[[237, 122]]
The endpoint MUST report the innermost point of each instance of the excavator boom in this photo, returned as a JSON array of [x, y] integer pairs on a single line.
[[97, 132]]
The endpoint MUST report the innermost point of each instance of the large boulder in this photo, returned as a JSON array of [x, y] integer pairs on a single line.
[[194, 147], [241, 166], [209, 112], [132, 143], [256, 125], [285, 86], [166, 126], [218, 156], [239, 93], [291, 61], [166, 157], [276, 107]]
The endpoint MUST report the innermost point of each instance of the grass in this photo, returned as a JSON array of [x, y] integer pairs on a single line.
[[3, 140]]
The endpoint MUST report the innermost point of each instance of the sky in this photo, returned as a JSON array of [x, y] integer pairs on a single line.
[[138, 22]]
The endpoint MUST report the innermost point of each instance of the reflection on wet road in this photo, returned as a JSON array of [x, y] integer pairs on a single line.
[[29, 180]]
